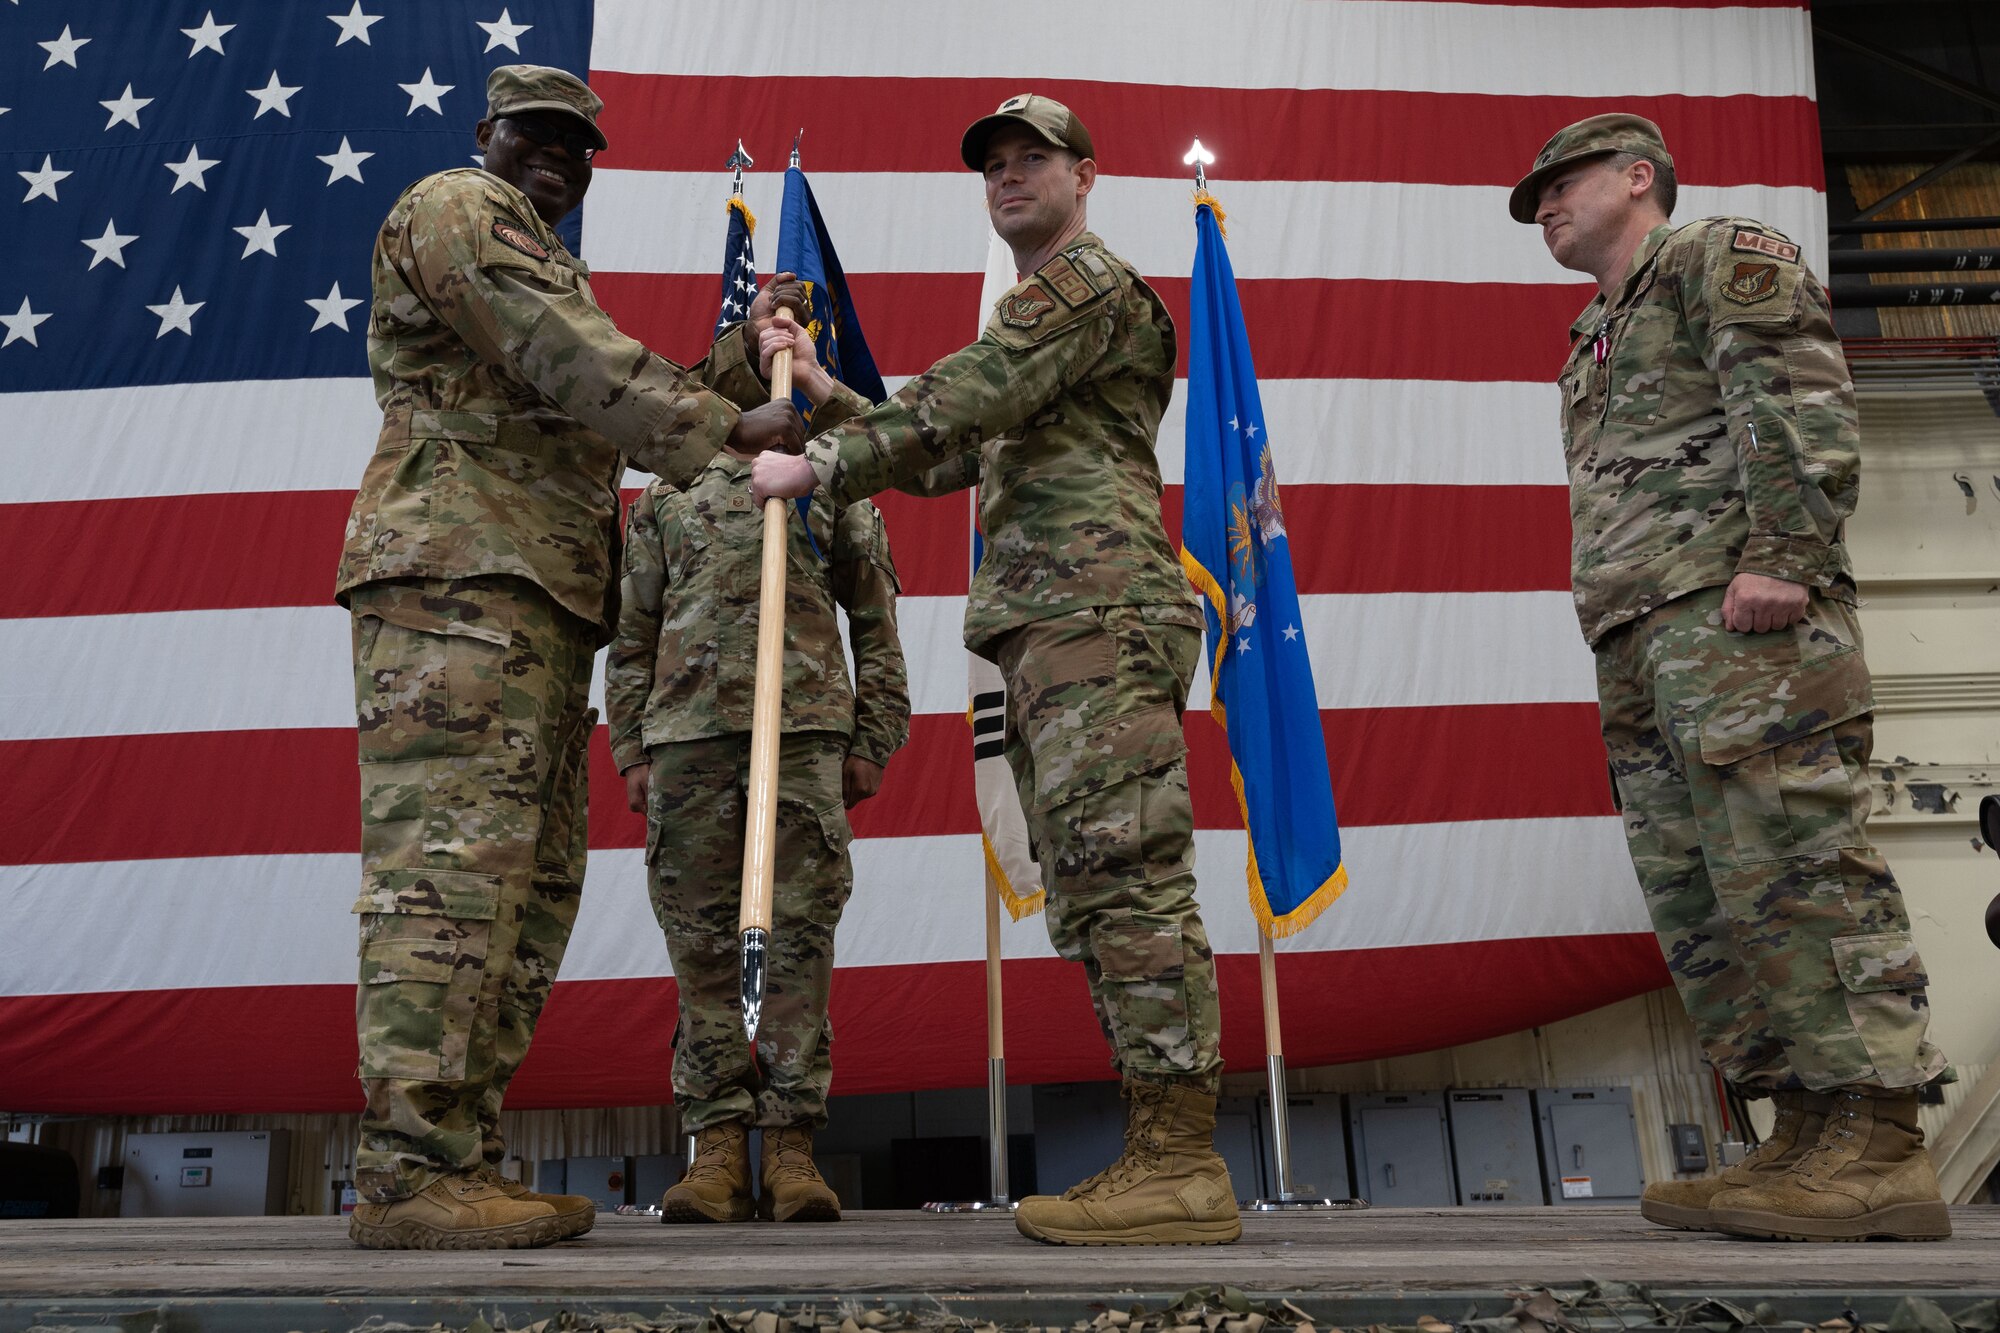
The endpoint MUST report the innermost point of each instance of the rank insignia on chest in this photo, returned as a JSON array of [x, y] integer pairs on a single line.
[[1751, 283], [510, 235], [1024, 309]]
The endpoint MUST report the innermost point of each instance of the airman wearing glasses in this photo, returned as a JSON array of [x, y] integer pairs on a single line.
[[480, 569]]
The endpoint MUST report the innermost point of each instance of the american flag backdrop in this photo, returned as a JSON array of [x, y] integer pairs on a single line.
[[190, 189]]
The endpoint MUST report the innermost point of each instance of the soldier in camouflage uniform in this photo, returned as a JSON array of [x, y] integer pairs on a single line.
[[1711, 436], [679, 687], [1053, 414], [477, 568]]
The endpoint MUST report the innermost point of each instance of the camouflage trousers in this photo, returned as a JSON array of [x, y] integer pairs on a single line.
[[471, 697], [694, 871], [1093, 734], [1741, 765]]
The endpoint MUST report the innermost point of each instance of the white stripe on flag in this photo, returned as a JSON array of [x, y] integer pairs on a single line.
[[1508, 49], [289, 923]]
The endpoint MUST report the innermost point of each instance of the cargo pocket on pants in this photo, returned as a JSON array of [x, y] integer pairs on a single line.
[[1774, 751], [424, 941], [1142, 972], [1884, 979]]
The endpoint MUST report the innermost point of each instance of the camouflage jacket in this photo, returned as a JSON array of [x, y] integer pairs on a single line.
[[1053, 413], [684, 663], [507, 397], [1709, 425]]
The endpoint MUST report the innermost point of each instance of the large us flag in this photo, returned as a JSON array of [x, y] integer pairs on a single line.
[[189, 190]]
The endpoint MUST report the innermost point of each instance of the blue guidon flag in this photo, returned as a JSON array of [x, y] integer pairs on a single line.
[[805, 248], [1234, 547]]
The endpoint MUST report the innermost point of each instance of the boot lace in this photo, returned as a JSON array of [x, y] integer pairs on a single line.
[[1142, 1155], [1828, 1154], [710, 1161], [791, 1153]]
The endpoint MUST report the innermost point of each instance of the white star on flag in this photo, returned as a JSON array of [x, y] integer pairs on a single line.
[[1250, 430], [109, 246], [1291, 632], [176, 314], [344, 164], [503, 31], [190, 170], [1242, 646], [208, 37], [21, 325], [354, 25], [125, 108], [332, 308], [273, 96], [261, 235], [426, 92], [1233, 425], [62, 50], [43, 182]]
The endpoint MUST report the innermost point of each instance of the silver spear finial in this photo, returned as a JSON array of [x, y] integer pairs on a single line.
[[739, 161], [795, 144], [1199, 158]]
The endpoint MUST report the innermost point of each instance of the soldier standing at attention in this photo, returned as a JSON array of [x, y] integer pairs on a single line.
[[679, 687], [1711, 436], [477, 567], [1053, 413]]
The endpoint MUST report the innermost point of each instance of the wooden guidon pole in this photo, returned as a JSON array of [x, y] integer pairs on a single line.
[[761, 814]]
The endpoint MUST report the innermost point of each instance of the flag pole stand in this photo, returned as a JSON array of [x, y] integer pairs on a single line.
[[997, 1198], [1285, 1198]]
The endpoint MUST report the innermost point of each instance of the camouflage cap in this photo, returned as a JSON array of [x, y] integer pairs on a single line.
[[1618, 132], [512, 88], [1044, 115]]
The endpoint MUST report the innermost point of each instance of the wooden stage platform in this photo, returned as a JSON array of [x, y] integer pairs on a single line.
[[1344, 1269]]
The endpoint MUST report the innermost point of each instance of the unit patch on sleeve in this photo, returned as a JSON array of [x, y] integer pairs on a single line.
[[512, 236], [1751, 283], [1024, 309], [1756, 243], [1070, 282]]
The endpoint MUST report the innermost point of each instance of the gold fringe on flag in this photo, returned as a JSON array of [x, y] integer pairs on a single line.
[[750, 219], [1215, 206], [1018, 906], [1296, 920]]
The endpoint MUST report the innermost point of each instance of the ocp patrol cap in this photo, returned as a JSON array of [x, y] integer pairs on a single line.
[[513, 88], [1048, 118], [1618, 132]]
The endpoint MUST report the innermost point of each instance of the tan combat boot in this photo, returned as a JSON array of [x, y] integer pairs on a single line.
[[457, 1212], [576, 1213], [793, 1189], [716, 1186], [1169, 1188], [1684, 1203], [1867, 1176]]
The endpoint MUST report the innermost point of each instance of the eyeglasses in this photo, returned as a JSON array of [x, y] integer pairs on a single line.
[[542, 130]]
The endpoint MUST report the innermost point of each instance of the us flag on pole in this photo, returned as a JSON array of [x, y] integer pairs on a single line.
[[190, 189]]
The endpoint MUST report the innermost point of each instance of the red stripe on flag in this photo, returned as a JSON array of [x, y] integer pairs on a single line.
[[1302, 328], [606, 1043], [117, 798], [658, 122], [279, 548]]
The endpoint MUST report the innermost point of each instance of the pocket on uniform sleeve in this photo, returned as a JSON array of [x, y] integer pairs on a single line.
[[1775, 752]]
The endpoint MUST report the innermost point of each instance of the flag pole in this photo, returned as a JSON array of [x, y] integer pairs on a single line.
[[761, 813], [1284, 1197], [997, 1197]]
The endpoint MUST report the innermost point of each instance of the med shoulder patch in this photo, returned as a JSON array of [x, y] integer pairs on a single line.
[[517, 238], [1757, 243], [1071, 283], [1025, 308]]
